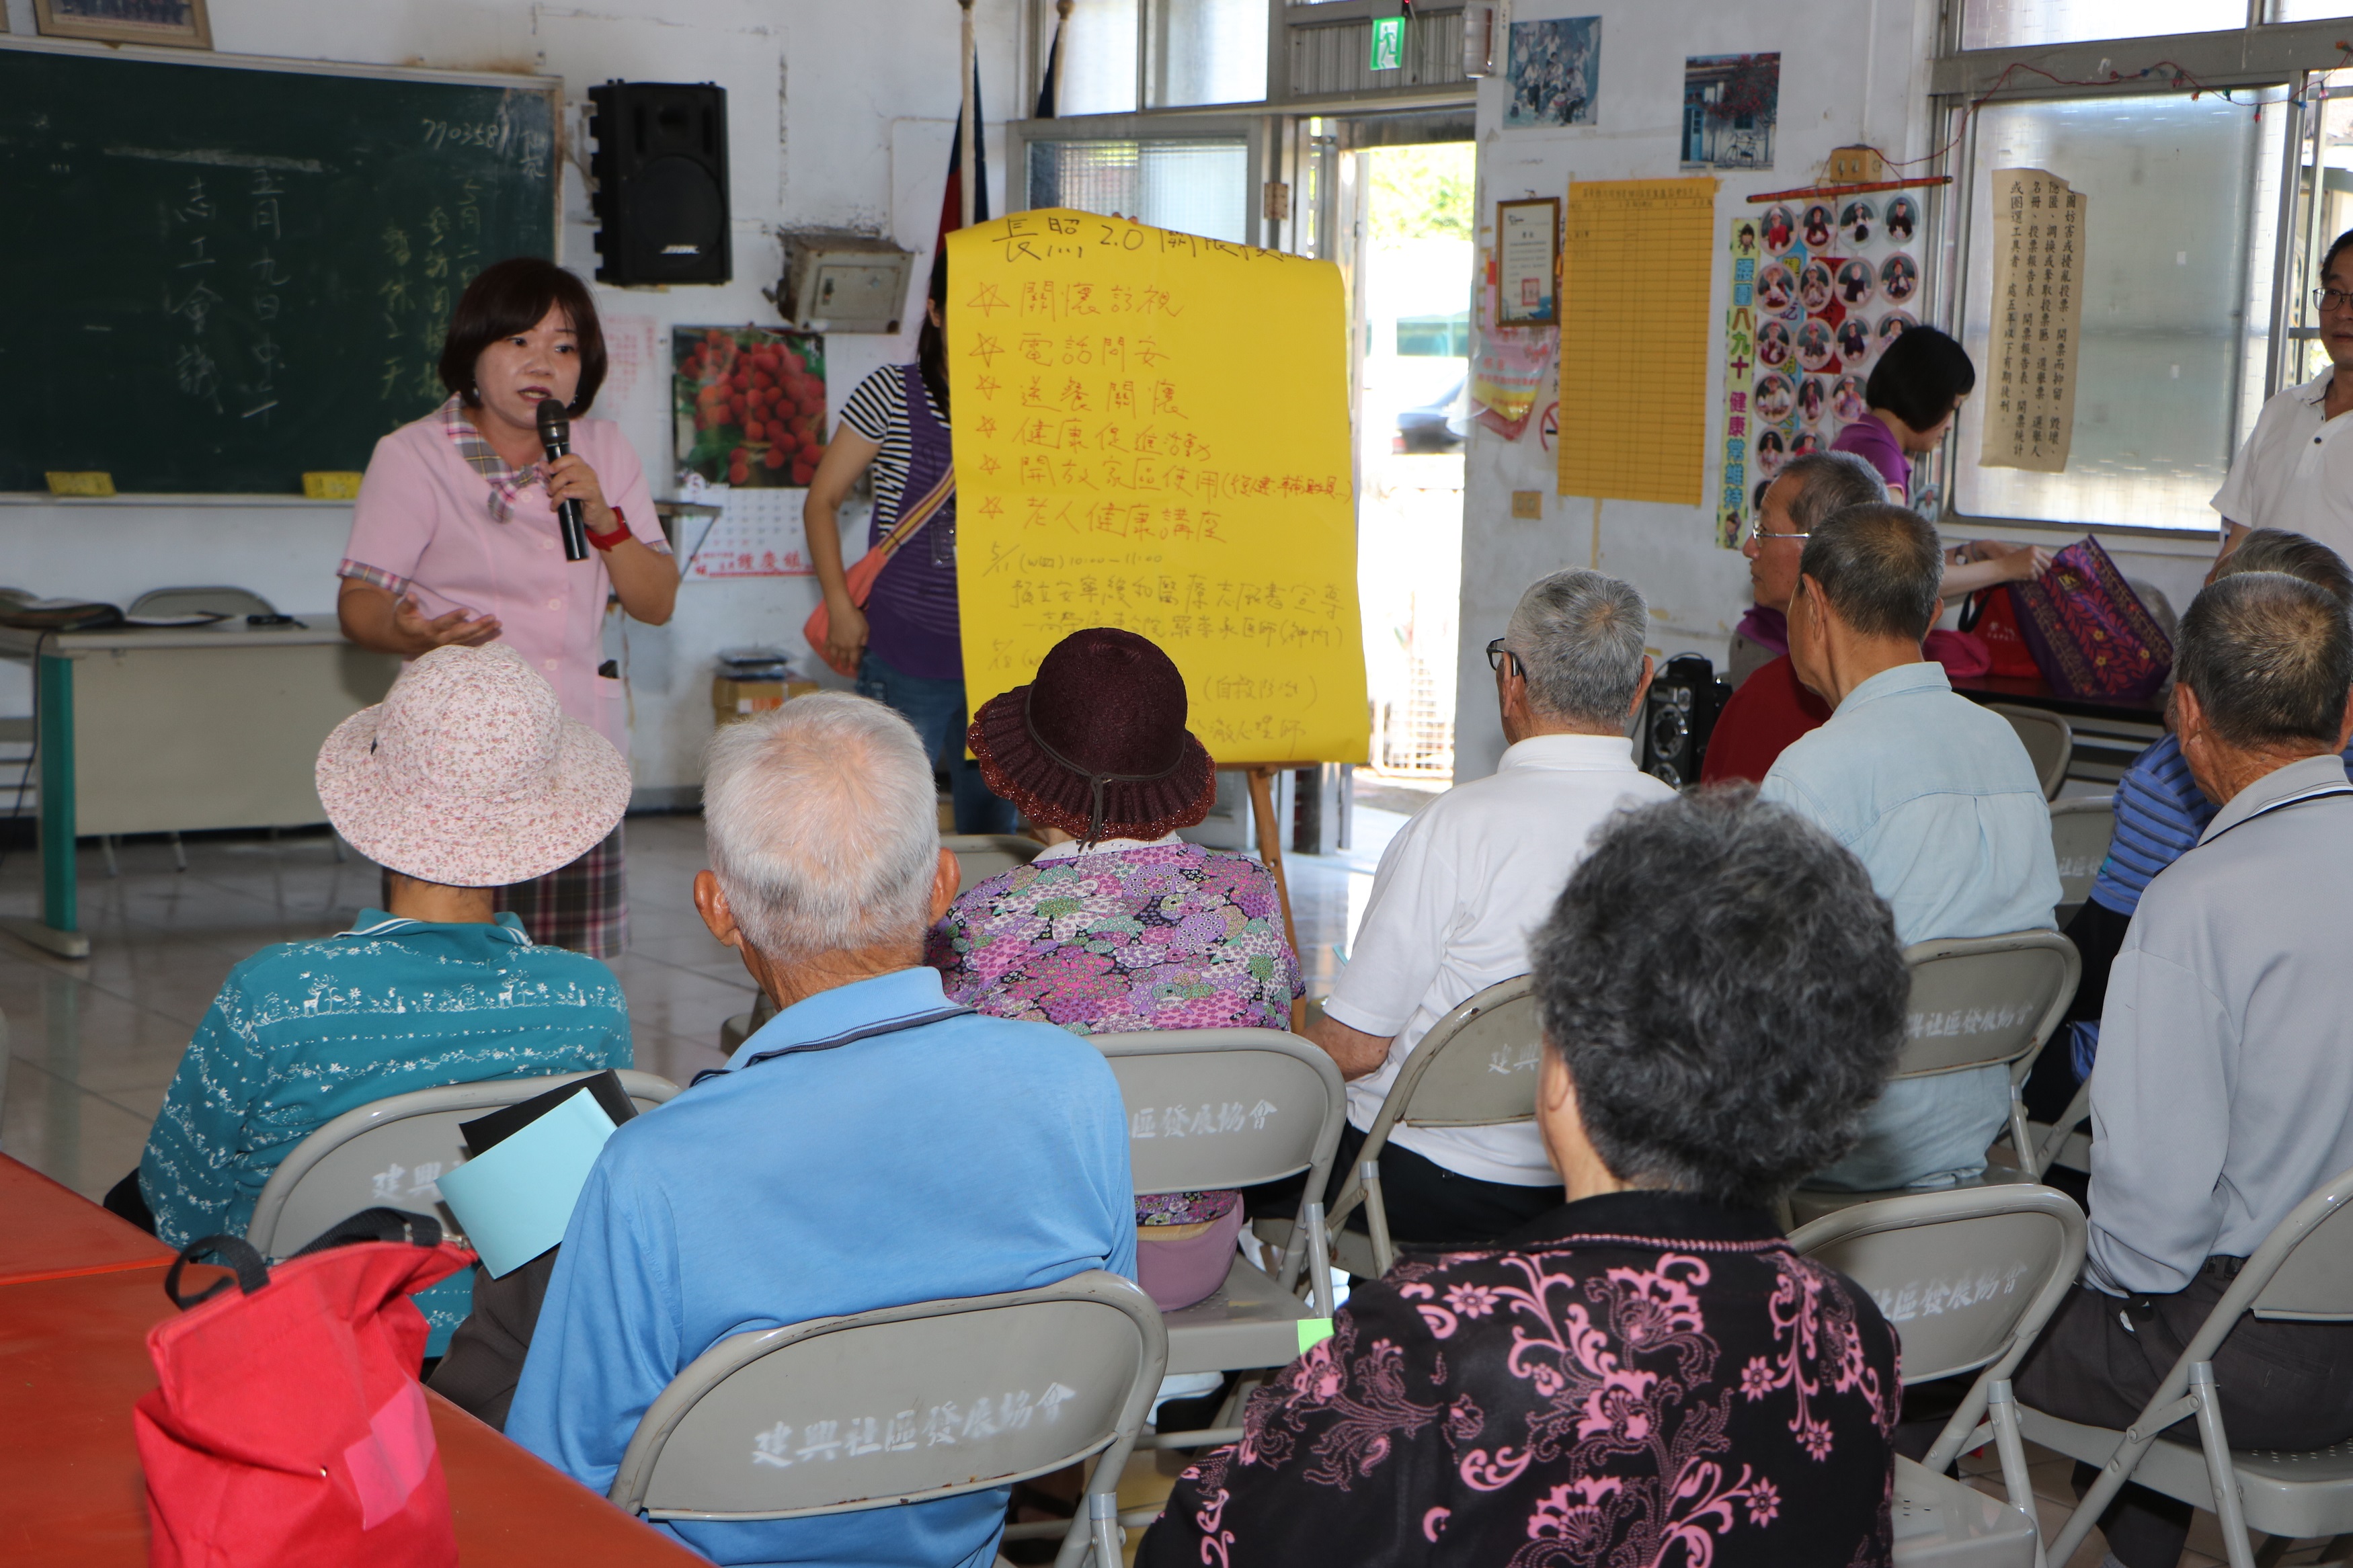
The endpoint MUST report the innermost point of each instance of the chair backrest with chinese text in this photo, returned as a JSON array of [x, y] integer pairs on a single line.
[[900, 1404], [393, 1152]]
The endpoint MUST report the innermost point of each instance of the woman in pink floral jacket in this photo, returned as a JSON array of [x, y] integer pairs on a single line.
[[1649, 1374], [1120, 924]]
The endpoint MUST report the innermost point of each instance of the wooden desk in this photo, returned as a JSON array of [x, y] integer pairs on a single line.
[[2108, 735], [52, 1232], [73, 1361], [163, 732]]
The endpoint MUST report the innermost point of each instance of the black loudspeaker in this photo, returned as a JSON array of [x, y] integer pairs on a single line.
[[1678, 717], [661, 167]]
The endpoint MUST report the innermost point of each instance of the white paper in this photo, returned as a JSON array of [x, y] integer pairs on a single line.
[[757, 534]]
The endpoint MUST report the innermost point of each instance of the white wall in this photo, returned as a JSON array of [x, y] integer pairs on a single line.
[[840, 116], [1852, 71]]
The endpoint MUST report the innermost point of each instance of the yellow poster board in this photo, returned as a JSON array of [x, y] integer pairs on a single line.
[[1635, 267], [1151, 432]]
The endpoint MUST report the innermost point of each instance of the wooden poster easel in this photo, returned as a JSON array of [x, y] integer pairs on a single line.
[[1261, 776]]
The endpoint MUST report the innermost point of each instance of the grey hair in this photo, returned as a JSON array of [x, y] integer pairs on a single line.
[[2269, 657], [1726, 992], [1831, 482], [1880, 567], [2277, 550], [822, 822], [1578, 638]]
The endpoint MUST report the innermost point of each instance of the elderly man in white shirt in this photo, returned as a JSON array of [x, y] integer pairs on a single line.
[[2224, 1092], [2296, 471], [1465, 882]]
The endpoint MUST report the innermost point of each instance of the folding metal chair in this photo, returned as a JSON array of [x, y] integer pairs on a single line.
[[1966, 1278], [2080, 831], [1941, 1524], [393, 1152], [1475, 1067], [1213, 1109], [2049, 739], [2302, 1273], [980, 856], [908, 1404], [1976, 1002]]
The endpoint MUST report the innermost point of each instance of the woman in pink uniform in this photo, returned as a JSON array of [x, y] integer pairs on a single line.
[[455, 540]]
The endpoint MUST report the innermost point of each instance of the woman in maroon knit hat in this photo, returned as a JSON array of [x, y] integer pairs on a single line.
[[1120, 924]]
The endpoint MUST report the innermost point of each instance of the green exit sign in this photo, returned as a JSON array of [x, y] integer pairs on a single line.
[[1389, 44]]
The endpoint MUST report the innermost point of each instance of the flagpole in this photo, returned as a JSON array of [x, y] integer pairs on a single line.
[[966, 176], [1061, 23]]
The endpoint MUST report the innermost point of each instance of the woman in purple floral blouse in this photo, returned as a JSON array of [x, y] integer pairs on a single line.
[[1120, 924], [1649, 1374]]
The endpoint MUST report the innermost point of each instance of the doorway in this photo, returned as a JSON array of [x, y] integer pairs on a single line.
[[1414, 261]]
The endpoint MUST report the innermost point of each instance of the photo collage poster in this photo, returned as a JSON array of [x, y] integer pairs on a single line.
[[1820, 284]]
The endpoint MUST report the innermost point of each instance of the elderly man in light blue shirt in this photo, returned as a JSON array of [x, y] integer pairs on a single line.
[[1935, 794], [873, 1145]]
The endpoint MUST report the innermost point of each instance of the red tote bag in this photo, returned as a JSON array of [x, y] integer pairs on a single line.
[[1990, 617], [289, 1428]]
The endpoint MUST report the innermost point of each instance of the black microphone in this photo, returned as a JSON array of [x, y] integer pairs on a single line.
[[555, 436]]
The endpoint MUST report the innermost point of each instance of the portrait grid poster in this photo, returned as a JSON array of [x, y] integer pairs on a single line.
[[1819, 286], [1554, 72]]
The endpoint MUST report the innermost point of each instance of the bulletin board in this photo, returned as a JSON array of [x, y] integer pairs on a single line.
[[1634, 338], [1151, 432]]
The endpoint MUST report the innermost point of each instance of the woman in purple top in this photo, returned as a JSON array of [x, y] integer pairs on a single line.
[[1915, 394], [1120, 925], [905, 645]]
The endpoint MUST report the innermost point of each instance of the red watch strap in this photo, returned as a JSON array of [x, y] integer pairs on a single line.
[[620, 532]]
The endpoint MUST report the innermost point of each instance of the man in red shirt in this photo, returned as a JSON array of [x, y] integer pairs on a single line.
[[1771, 708]]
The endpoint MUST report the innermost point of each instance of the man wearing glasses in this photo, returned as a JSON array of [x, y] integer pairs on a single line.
[[2296, 472], [1464, 882], [1769, 708]]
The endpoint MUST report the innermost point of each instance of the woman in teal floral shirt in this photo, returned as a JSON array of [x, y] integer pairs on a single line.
[[1119, 924]]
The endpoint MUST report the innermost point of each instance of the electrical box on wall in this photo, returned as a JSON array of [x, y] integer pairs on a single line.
[[837, 281]]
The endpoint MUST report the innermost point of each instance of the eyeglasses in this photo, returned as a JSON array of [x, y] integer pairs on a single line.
[[1497, 653], [1757, 530], [2327, 300]]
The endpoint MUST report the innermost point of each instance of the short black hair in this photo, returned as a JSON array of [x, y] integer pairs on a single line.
[[2337, 248], [931, 342], [2277, 550], [1726, 992], [2269, 657], [510, 296], [1880, 568], [1921, 377]]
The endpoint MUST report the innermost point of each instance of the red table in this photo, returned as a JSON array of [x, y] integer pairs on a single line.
[[73, 1361], [52, 1232]]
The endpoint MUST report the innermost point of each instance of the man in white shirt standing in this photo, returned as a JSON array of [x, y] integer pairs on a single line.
[[2296, 472], [1464, 883]]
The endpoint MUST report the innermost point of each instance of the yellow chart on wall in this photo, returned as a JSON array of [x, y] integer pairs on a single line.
[[1634, 338], [1151, 432]]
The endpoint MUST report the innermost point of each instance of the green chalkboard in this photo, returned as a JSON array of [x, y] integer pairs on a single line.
[[218, 276]]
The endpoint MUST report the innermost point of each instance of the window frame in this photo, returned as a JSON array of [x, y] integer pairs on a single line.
[[2259, 55]]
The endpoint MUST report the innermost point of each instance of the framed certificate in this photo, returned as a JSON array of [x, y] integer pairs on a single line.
[[1527, 262]]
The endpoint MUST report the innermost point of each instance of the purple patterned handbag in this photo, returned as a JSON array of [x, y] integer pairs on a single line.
[[2088, 631]]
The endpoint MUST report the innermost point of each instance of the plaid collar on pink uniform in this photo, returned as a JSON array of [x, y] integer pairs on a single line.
[[505, 483]]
